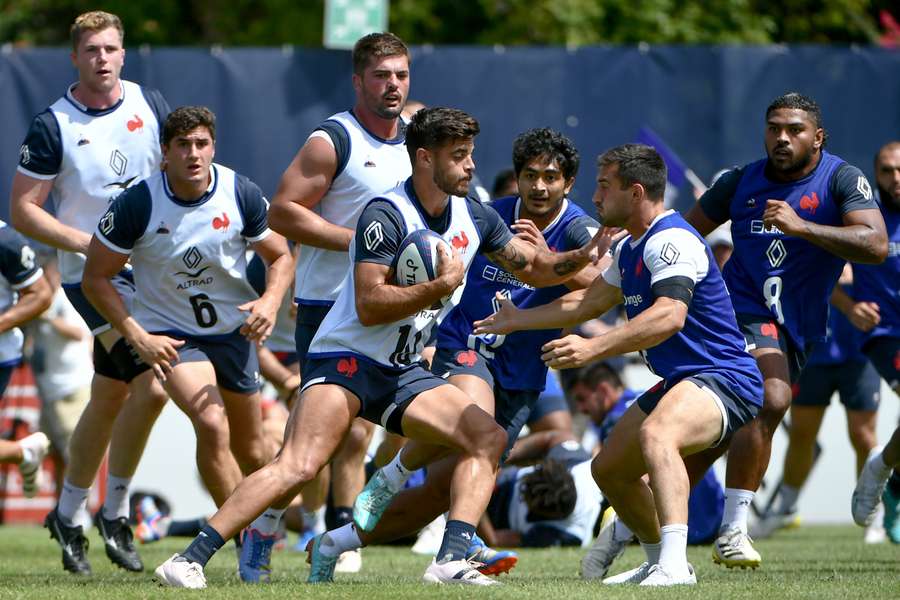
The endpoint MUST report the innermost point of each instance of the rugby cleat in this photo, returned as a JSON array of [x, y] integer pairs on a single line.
[[180, 572], [891, 515], [869, 488], [372, 502], [604, 550], [632, 576], [255, 561], [119, 542], [321, 567], [73, 543], [734, 548], [456, 571], [659, 577], [34, 448], [489, 561]]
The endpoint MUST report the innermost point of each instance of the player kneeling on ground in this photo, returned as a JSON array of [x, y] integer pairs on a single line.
[[681, 319]]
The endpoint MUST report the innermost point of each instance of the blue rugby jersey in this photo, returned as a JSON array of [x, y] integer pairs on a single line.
[[842, 344], [515, 359], [881, 283], [710, 339]]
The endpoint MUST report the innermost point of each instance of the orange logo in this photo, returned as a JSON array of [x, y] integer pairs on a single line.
[[222, 223], [135, 124], [810, 203], [769, 330], [347, 367], [461, 241], [467, 358]]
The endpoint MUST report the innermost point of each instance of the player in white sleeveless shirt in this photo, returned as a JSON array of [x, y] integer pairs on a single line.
[[100, 138], [349, 158], [196, 318], [374, 314]]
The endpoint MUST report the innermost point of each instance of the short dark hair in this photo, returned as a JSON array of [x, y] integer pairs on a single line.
[[436, 126], [501, 180], [796, 100], [638, 163], [535, 143], [376, 46], [549, 490], [186, 118], [597, 373]]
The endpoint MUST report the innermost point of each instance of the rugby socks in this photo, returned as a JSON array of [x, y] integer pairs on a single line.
[[787, 496], [204, 546], [342, 515], [652, 552], [673, 551], [894, 484], [267, 523], [72, 500], [115, 505], [191, 528], [737, 509], [457, 538], [395, 473], [340, 540], [621, 532]]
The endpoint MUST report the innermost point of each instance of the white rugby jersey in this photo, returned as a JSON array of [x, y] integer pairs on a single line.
[[400, 343], [18, 270], [189, 258], [93, 155], [367, 167]]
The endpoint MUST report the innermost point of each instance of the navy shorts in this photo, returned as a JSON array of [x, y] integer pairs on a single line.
[[124, 284], [309, 317], [857, 384], [763, 332], [736, 409], [884, 352], [384, 393], [512, 408], [232, 356]]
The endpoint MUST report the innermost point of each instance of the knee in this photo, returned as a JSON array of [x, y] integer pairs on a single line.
[[296, 471], [776, 401], [652, 438], [495, 442], [211, 427], [862, 439], [357, 440]]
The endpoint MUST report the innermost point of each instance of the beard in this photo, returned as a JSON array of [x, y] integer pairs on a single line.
[[451, 184]]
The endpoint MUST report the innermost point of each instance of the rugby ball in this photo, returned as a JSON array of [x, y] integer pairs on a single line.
[[417, 258]]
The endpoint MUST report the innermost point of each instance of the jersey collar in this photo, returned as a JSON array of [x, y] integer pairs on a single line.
[[214, 181], [562, 209], [94, 112], [656, 219], [426, 218], [401, 131]]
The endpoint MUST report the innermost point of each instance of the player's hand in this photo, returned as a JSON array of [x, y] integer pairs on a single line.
[[159, 352], [501, 322], [603, 241], [569, 352], [261, 319], [780, 214], [450, 269], [526, 230], [864, 315]]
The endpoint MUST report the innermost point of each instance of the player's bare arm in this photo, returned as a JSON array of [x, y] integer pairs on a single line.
[[302, 186], [863, 315], [379, 300], [158, 351], [279, 273], [699, 220], [862, 238], [526, 230], [32, 300], [653, 326], [27, 214], [568, 311]]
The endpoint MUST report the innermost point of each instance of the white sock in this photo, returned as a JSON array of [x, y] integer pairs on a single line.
[[395, 473], [652, 551], [673, 554], [71, 500], [115, 505], [340, 540], [737, 509], [29, 454], [267, 523], [621, 533], [788, 495]]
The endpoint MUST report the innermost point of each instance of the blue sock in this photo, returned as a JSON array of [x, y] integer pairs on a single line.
[[457, 538], [204, 546]]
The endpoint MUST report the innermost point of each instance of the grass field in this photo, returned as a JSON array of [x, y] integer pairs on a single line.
[[811, 562]]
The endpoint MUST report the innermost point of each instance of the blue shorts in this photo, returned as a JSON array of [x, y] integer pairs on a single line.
[[512, 408], [857, 384], [383, 393], [884, 352], [124, 284], [232, 356], [763, 332], [730, 394], [309, 317]]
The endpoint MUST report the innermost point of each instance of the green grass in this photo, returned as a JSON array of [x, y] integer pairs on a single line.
[[811, 562]]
